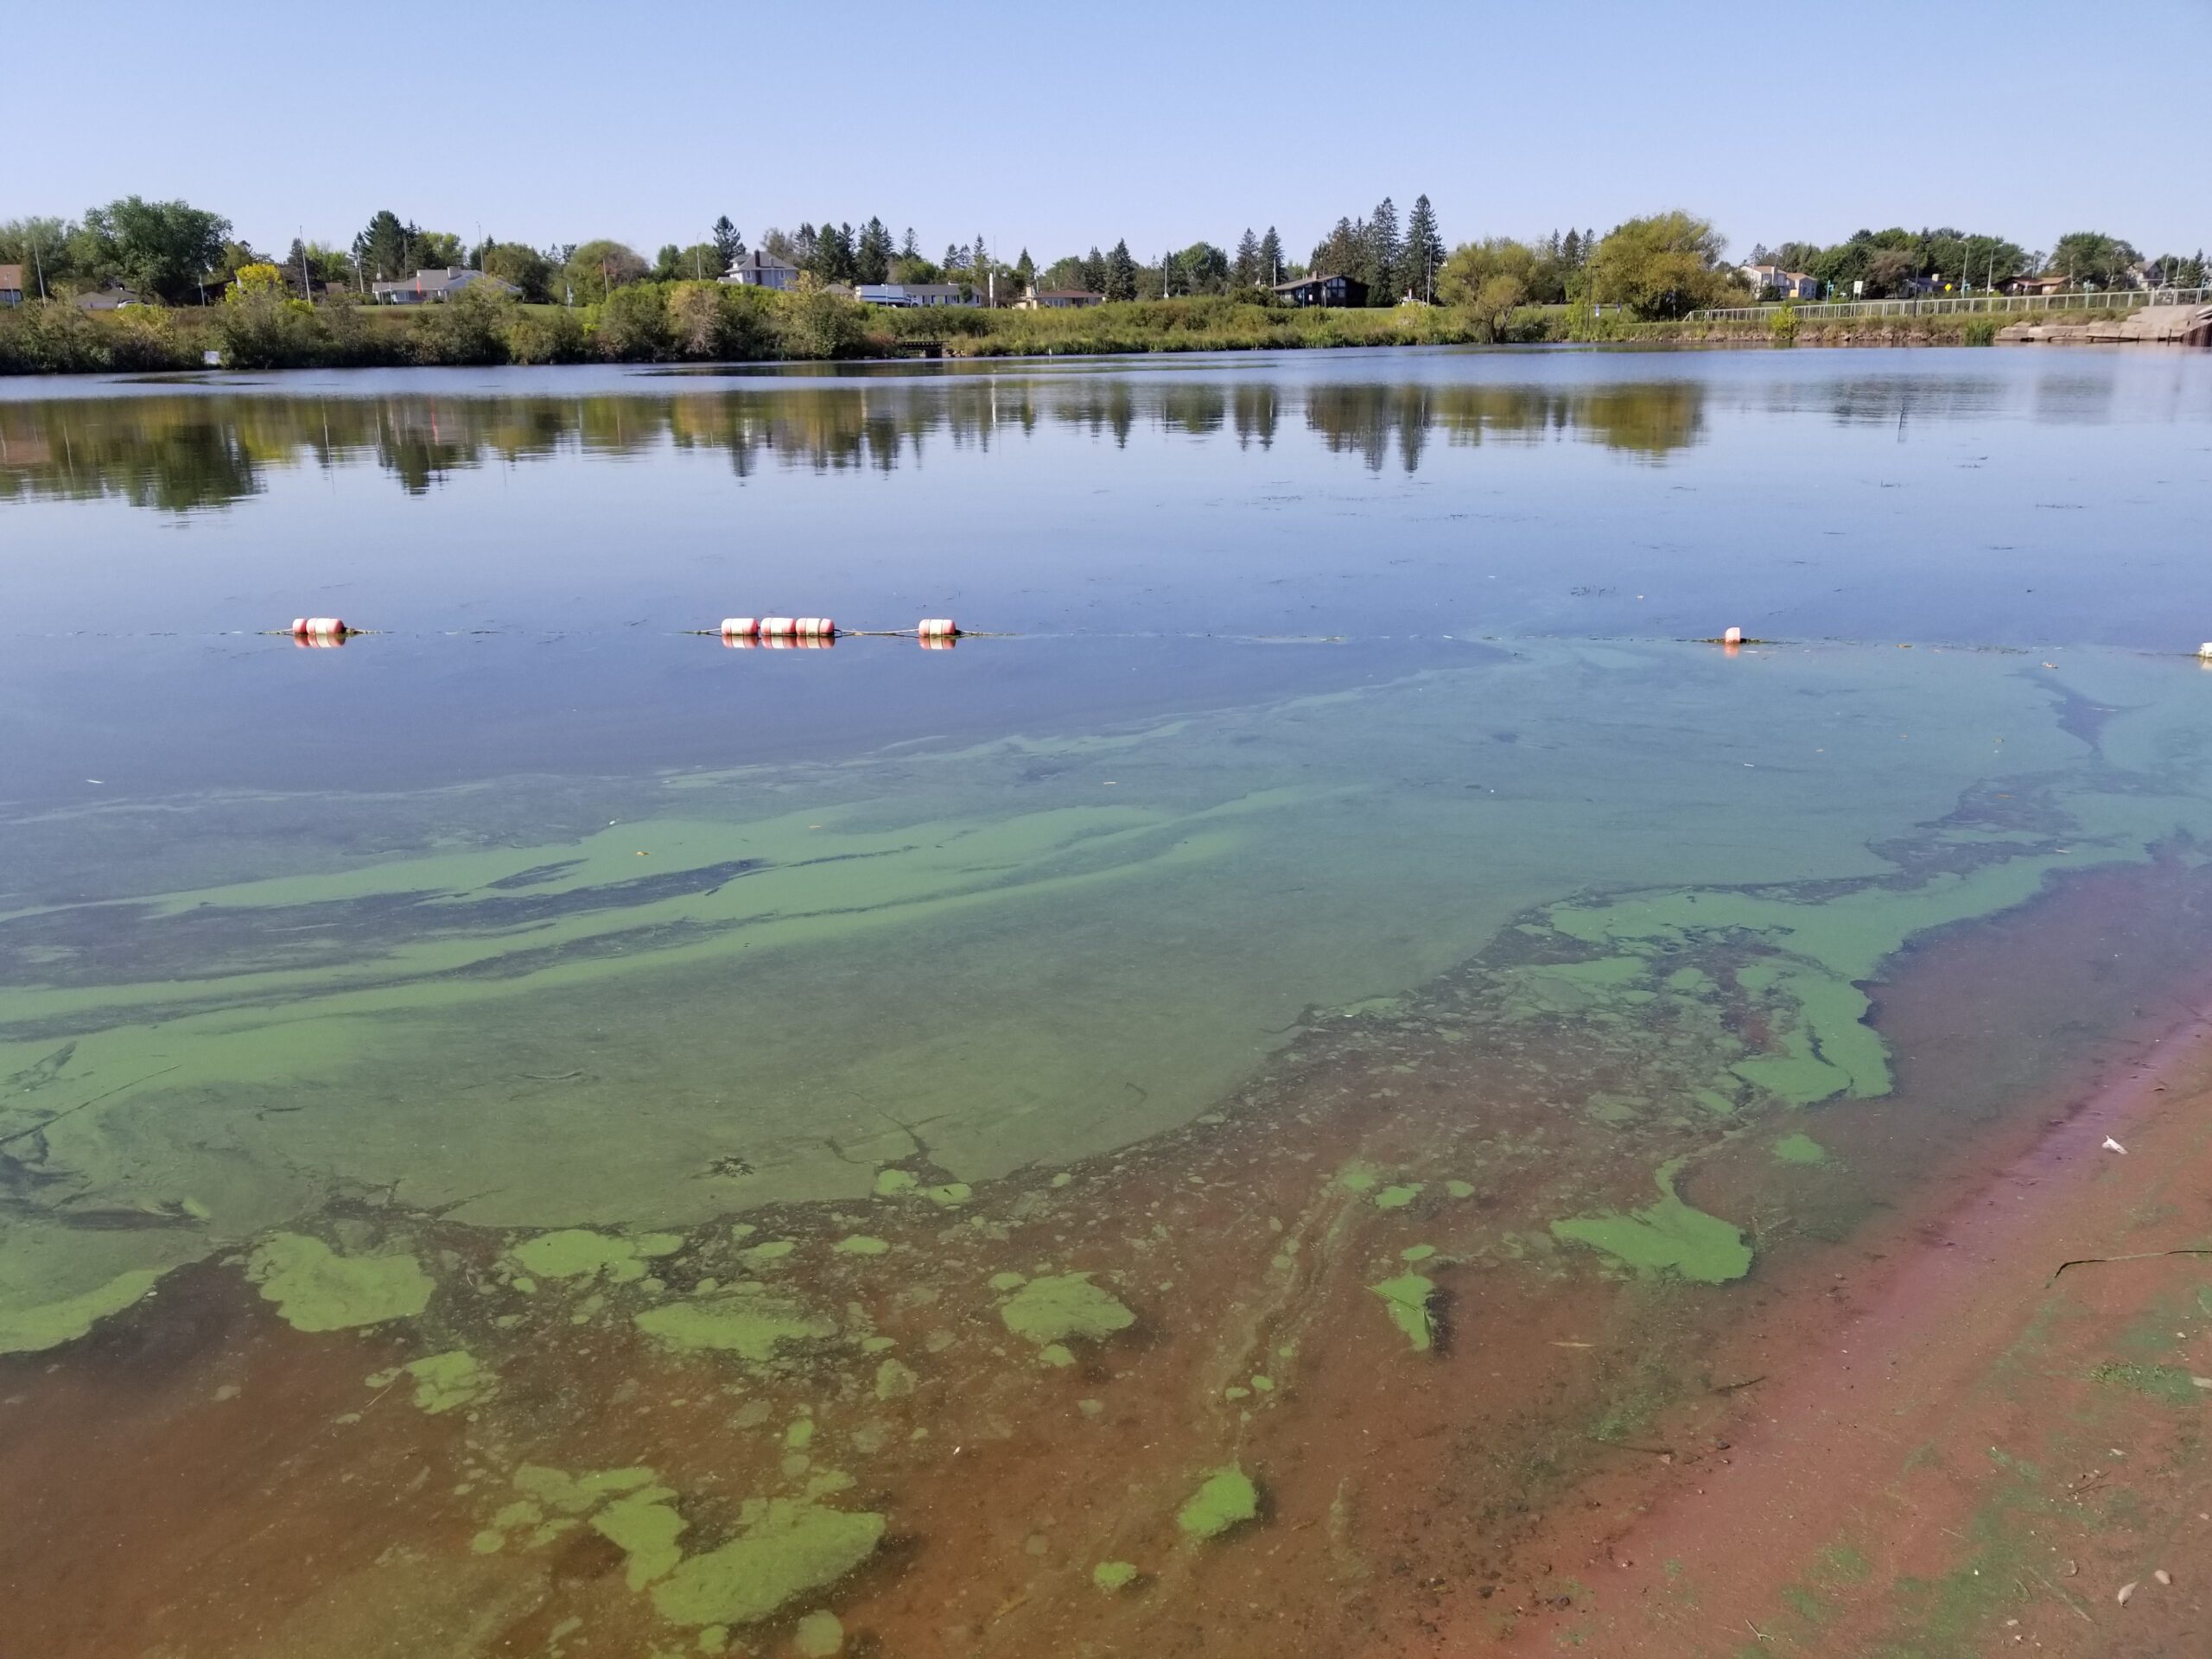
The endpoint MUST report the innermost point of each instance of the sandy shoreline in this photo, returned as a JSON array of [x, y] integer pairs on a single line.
[[1946, 1463]]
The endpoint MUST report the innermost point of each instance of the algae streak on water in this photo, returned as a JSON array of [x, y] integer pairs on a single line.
[[1058, 1308], [430, 1044]]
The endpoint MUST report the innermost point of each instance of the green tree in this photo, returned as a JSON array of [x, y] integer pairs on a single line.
[[633, 324], [872, 252], [1092, 274], [164, 249], [1424, 255], [41, 247], [1271, 267], [1244, 269], [815, 323], [597, 269], [1490, 278], [729, 246], [527, 269], [1120, 281], [1665, 265], [2092, 258], [1385, 253], [384, 249], [1204, 268]]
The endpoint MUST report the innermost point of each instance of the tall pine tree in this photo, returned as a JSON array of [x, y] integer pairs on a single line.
[[729, 246], [1384, 251], [1424, 253], [1121, 273], [1270, 258], [1245, 271], [1093, 267]]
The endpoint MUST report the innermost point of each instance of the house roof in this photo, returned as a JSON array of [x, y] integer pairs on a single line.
[[757, 260], [11, 277], [1069, 294], [443, 280], [1318, 277]]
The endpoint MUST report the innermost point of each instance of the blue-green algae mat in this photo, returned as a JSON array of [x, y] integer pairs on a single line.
[[1061, 944]]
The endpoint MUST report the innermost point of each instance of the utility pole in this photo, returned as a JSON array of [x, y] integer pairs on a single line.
[[38, 262], [307, 288]]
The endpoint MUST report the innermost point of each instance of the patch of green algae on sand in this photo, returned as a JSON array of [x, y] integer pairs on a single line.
[[786, 1546], [578, 1252], [1227, 1499], [749, 1321], [317, 1289], [1800, 1149], [1053, 1309], [1669, 1236], [1114, 1575], [644, 1529], [1406, 1299], [443, 1382], [31, 1330]]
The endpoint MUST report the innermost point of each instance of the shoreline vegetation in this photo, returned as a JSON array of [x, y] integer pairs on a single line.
[[117, 293], [715, 322]]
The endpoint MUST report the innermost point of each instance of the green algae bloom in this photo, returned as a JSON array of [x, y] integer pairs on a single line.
[[1357, 1177], [443, 1382], [580, 1253], [556, 1489], [786, 1548], [1397, 1198], [748, 1320], [1416, 1252], [1114, 1575], [819, 1635], [1227, 1499], [644, 1526], [1054, 1309], [32, 1330], [1670, 1235], [894, 1380], [1800, 1149], [1406, 1299], [317, 1289]]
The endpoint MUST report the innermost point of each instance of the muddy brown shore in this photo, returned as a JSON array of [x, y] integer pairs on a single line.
[[1898, 1433]]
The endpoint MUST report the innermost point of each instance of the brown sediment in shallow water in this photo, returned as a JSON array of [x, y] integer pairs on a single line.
[[1968, 1424], [1407, 1500]]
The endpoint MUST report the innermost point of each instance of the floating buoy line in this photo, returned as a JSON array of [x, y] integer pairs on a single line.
[[943, 633]]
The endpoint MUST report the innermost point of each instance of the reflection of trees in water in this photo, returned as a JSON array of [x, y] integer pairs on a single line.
[[1652, 419], [179, 452]]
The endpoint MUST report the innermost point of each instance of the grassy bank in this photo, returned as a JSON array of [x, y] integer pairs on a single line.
[[708, 322]]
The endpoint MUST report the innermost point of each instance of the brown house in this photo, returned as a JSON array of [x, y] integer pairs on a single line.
[[11, 284]]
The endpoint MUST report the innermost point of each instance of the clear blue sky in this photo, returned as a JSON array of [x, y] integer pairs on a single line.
[[1054, 126]]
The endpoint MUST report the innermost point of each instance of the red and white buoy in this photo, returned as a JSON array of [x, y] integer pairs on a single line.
[[936, 627], [816, 628], [319, 627], [1733, 637], [741, 627], [778, 627]]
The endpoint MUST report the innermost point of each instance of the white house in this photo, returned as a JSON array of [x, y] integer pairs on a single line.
[[758, 269], [1789, 285]]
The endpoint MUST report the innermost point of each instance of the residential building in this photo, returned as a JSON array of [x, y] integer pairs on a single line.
[[2052, 283], [1777, 280], [758, 269], [1323, 291], [425, 286], [11, 284], [1058, 299], [915, 294], [107, 299]]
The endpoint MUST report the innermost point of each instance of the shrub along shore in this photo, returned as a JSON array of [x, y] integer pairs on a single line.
[[715, 322]]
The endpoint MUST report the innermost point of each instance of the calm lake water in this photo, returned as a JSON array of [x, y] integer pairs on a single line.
[[535, 1132]]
